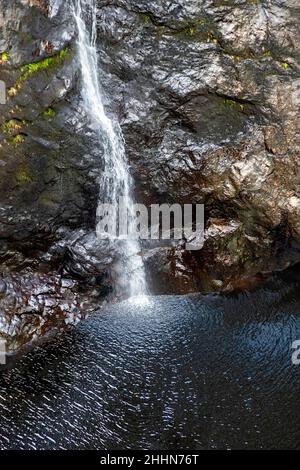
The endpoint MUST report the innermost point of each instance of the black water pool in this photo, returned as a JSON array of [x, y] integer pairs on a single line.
[[195, 372]]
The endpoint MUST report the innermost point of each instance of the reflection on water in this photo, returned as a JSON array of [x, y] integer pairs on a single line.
[[176, 372]]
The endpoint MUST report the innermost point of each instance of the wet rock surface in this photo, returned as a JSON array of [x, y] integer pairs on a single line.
[[50, 164], [33, 305], [207, 94], [208, 97]]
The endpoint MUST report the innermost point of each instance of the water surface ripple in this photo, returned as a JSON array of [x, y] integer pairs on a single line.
[[179, 373]]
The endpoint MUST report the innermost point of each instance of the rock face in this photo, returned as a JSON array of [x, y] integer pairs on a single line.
[[207, 94], [49, 168]]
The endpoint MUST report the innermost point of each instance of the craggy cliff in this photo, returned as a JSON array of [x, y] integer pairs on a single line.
[[207, 94]]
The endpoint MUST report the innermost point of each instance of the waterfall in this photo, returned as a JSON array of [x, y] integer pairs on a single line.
[[54, 7], [116, 180]]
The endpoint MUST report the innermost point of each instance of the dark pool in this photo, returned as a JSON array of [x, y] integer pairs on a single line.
[[199, 372]]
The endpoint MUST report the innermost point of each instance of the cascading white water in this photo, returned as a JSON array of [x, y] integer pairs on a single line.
[[116, 180], [54, 7]]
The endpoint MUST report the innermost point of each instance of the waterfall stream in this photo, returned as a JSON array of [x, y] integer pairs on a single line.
[[116, 181]]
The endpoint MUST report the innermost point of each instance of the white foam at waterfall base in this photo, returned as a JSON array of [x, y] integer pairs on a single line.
[[116, 180]]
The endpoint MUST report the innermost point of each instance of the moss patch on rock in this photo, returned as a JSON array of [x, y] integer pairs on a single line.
[[49, 112], [202, 29], [18, 139], [3, 57], [23, 175], [233, 104], [28, 70], [13, 126]]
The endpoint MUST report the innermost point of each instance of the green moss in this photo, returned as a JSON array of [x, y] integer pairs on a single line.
[[234, 104], [237, 54], [49, 112], [266, 56], [18, 139], [149, 19], [146, 18], [23, 175], [47, 200], [4, 56], [230, 103], [284, 65], [189, 30], [34, 67], [13, 125], [201, 27]]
